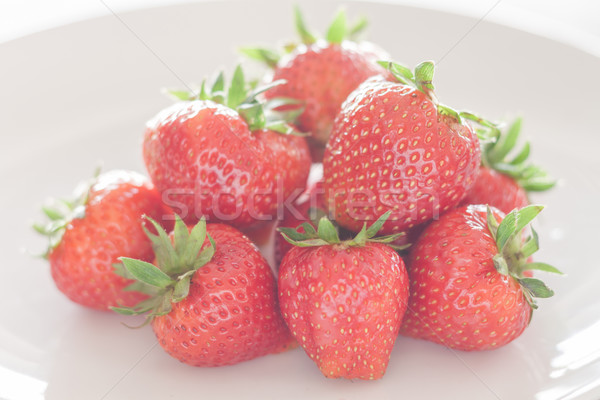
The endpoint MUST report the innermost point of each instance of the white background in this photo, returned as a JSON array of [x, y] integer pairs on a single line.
[[574, 22]]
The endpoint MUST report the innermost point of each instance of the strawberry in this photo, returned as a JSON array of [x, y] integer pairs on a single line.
[[322, 73], [220, 156], [468, 290], [393, 146], [89, 234], [502, 182], [343, 300], [214, 298]]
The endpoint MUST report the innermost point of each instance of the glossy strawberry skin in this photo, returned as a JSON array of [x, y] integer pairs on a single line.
[[457, 298], [497, 190], [390, 150], [206, 162], [231, 313], [344, 306], [322, 75], [82, 263]]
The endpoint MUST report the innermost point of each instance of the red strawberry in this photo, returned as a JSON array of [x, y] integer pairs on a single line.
[[343, 300], [467, 284], [394, 147], [502, 182], [88, 235], [322, 73], [217, 157], [497, 190], [215, 299]]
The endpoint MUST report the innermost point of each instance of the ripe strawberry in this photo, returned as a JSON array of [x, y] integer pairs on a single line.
[[343, 300], [467, 284], [214, 300], [217, 156], [322, 73], [394, 147], [87, 237], [504, 183]]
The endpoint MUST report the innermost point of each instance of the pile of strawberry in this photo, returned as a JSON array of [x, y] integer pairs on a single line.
[[418, 226]]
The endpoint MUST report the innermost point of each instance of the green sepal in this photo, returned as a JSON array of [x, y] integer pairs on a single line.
[[424, 76], [496, 154], [181, 289], [539, 266], [449, 112], [237, 89], [327, 234], [327, 231], [243, 97], [305, 35], [400, 72], [177, 94], [267, 56], [62, 212], [514, 222], [531, 245], [500, 264], [338, 30], [422, 80], [358, 28], [514, 251], [534, 288], [177, 260], [146, 272]]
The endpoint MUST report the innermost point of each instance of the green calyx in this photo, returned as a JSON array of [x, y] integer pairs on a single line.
[[422, 80], [513, 252], [495, 155], [167, 282], [243, 97], [338, 31], [62, 212], [326, 233]]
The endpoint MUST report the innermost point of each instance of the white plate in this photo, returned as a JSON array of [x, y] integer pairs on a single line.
[[76, 95]]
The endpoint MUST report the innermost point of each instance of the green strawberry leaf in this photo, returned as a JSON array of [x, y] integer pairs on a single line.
[[219, 84], [166, 255], [522, 156], [424, 76], [253, 114], [327, 231], [500, 264], [337, 31], [531, 245], [181, 289], [358, 28], [514, 222], [539, 266], [237, 89], [170, 282], [305, 35], [292, 234], [377, 225], [146, 272], [182, 95], [401, 73], [536, 287], [267, 56], [309, 229], [193, 242], [449, 112], [62, 212]]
